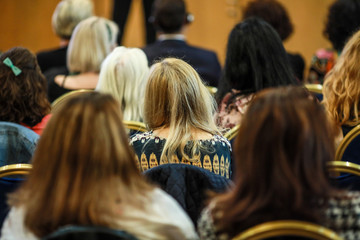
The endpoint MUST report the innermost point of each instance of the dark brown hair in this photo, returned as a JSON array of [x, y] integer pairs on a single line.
[[281, 150], [84, 170], [272, 12], [23, 98]]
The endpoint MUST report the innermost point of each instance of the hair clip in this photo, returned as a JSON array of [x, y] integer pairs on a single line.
[[14, 68], [108, 31]]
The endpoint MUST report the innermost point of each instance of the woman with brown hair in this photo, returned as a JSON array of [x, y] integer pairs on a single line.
[[84, 173], [179, 111], [23, 90], [281, 151]]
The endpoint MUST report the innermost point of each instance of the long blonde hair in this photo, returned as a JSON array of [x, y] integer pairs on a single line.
[[342, 85], [123, 75], [92, 40], [175, 97], [84, 171]]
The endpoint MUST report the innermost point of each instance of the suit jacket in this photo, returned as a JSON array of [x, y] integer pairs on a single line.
[[205, 62]]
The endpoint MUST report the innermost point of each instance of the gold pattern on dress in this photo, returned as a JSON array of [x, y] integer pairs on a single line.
[[185, 161], [222, 166], [153, 161], [227, 167], [216, 164], [207, 163], [197, 163], [163, 160], [144, 162], [174, 159], [137, 162]]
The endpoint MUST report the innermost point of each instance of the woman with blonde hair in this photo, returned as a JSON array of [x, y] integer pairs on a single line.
[[123, 75], [84, 173], [179, 111], [342, 91], [92, 40]]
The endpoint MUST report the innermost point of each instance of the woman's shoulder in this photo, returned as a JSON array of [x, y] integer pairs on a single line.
[[144, 137], [217, 141]]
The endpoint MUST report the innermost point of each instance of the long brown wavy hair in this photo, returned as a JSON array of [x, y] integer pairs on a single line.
[[23, 98], [84, 171], [342, 85], [281, 150]]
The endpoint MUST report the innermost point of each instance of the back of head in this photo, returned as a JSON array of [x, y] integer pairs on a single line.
[[92, 40], [123, 74], [296, 141], [83, 153], [342, 85], [68, 14], [22, 94], [342, 21], [169, 15], [255, 59]]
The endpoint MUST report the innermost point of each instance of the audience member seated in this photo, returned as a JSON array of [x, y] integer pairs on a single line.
[[67, 15], [17, 143], [23, 90], [281, 152], [84, 173], [342, 21], [123, 75], [92, 40], [179, 111], [342, 93], [255, 59], [171, 19], [277, 16]]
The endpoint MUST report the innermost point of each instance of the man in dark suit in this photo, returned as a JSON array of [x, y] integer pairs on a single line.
[[170, 18]]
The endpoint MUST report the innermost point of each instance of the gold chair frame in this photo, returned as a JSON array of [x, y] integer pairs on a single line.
[[314, 88], [343, 167], [15, 169], [134, 125], [231, 134], [287, 228], [353, 133], [55, 105], [212, 90]]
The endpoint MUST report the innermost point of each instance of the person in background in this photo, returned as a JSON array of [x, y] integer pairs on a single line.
[[170, 19], [276, 15], [255, 59], [92, 40], [342, 22], [84, 173], [67, 15], [179, 112], [124, 74], [23, 90], [284, 143]]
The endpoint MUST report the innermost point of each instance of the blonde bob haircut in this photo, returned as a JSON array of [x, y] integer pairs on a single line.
[[92, 40], [84, 171], [175, 97], [124, 74], [68, 13], [342, 85]]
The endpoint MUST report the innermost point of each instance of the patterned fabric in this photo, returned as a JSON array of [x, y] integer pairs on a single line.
[[321, 63], [343, 213], [215, 155], [231, 111]]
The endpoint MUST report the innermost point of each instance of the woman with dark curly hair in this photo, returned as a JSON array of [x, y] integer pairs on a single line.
[[274, 13], [342, 21], [23, 90]]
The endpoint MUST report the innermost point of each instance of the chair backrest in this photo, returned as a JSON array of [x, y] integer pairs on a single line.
[[350, 180], [287, 228], [17, 143], [187, 184], [212, 90], [349, 137], [8, 185], [135, 126], [232, 133], [316, 90], [343, 167], [60, 100], [89, 232]]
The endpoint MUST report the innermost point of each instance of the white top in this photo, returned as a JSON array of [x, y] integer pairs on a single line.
[[163, 219]]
